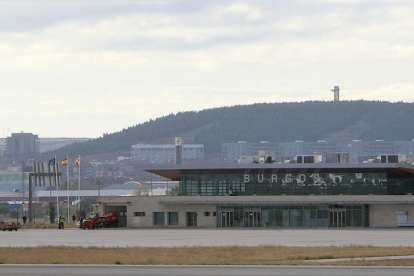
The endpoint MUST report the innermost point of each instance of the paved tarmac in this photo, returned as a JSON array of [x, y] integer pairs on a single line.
[[384, 258], [206, 237], [63, 270]]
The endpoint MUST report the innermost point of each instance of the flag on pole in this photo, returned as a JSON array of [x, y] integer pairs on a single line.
[[52, 162], [77, 162], [65, 162]]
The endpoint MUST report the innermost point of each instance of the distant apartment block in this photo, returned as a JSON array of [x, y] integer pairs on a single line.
[[165, 153], [355, 148], [22, 147], [2, 145]]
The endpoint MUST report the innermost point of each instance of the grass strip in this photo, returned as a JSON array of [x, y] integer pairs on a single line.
[[261, 255]]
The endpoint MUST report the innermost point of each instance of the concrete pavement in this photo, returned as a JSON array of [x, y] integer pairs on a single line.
[[385, 258], [206, 237], [102, 270]]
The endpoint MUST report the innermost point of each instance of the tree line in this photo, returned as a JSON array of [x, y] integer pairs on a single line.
[[275, 122]]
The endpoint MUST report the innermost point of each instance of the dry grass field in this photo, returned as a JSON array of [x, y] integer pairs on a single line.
[[262, 255]]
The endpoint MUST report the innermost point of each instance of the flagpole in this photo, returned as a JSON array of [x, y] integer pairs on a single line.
[[57, 189], [68, 183], [79, 195]]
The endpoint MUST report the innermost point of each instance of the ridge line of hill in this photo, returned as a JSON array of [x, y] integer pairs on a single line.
[[276, 122]]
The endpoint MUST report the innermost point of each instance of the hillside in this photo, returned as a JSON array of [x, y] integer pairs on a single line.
[[276, 122], [49, 144]]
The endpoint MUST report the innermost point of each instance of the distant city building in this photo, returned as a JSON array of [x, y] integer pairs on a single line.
[[22, 147], [355, 148], [233, 151], [2, 146], [165, 153]]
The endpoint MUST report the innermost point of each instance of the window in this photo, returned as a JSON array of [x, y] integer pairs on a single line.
[[214, 214], [329, 183], [393, 159], [139, 214], [206, 214], [159, 218], [309, 159], [172, 218]]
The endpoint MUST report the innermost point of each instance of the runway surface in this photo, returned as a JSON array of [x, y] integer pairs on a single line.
[[63, 270], [206, 237]]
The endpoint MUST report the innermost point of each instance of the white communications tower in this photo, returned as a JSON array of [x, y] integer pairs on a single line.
[[336, 93]]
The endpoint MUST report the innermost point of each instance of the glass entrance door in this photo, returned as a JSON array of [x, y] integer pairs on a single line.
[[252, 218], [191, 219], [226, 219], [337, 218]]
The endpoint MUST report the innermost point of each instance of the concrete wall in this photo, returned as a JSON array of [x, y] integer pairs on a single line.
[[381, 215], [149, 209], [253, 200], [149, 205], [385, 215]]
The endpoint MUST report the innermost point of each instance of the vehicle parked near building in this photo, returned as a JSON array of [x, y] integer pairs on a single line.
[[95, 221], [92, 222], [110, 220], [9, 226]]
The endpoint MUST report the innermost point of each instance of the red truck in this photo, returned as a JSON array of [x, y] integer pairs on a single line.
[[110, 220], [96, 221], [9, 226], [92, 222]]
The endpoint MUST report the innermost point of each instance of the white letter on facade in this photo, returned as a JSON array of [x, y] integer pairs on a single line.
[[274, 178], [246, 178], [288, 178], [301, 178], [258, 178]]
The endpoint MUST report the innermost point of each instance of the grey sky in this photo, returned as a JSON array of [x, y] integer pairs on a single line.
[[82, 68]]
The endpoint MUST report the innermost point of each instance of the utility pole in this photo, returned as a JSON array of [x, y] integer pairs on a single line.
[[30, 197], [23, 187]]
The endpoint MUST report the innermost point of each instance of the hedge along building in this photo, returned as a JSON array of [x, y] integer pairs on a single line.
[[276, 195]]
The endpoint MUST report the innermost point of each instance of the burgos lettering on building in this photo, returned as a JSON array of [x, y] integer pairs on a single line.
[[316, 178]]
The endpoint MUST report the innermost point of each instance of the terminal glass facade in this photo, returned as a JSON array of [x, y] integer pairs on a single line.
[[324, 216], [294, 184]]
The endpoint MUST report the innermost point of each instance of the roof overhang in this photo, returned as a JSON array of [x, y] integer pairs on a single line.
[[174, 172], [283, 203]]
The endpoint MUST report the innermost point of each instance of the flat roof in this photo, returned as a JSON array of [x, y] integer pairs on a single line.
[[282, 203], [173, 172]]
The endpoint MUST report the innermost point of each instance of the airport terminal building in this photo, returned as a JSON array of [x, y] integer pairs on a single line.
[[304, 195]]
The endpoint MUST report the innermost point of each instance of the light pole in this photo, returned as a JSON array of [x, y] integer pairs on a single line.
[[34, 214]]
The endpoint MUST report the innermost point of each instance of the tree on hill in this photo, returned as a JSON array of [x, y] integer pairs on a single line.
[[276, 122]]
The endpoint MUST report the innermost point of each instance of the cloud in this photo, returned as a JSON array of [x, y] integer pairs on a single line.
[[112, 113], [244, 10], [120, 63], [393, 92]]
